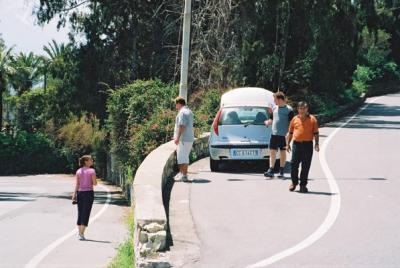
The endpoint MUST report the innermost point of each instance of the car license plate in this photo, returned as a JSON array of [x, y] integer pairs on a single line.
[[245, 153]]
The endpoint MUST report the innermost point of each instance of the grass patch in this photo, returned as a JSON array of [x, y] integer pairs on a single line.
[[125, 256]]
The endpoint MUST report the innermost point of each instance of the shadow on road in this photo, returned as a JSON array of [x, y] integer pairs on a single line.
[[96, 241], [17, 197], [369, 118], [377, 179], [352, 179], [250, 167], [319, 193], [100, 197], [240, 167], [200, 181]]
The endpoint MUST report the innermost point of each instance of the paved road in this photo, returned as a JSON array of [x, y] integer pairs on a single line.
[[35, 211], [241, 218]]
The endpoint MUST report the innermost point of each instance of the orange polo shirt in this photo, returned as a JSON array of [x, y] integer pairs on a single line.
[[303, 129]]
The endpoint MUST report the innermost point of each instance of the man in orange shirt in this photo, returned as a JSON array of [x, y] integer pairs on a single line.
[[302, 129]]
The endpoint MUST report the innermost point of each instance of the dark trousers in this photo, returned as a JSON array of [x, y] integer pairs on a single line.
[[85, 202], [302, 152]]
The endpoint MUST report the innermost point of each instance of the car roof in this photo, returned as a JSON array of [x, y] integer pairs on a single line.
[[248, 96]]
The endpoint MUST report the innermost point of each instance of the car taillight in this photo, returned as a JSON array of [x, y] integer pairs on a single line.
[[216, 121]]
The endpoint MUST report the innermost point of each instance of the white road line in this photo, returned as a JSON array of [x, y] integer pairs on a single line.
[[333, 209], [46, 251]]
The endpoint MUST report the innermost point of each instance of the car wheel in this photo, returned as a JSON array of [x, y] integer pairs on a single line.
[[214, 165]]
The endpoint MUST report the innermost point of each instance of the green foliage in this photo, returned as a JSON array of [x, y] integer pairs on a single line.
[[391, 71], [376, 66], [27, 72], [82, 136], [374, 55], [28, 153], [361, 77], [32, 110], [296, 46], [124, 41], [205, 107], [363, 74], [129, 175], [146, 137], [324, 52], [131, 108], [6, 70]]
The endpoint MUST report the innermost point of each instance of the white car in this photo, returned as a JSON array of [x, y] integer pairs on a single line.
[[238, 131]]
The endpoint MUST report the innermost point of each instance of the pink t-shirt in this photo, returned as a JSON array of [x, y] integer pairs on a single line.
[[85, 179]]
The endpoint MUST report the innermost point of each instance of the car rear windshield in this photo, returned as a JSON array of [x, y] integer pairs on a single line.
[[243, 116]]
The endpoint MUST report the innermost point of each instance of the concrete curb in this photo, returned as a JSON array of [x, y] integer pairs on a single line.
[[151, 179]]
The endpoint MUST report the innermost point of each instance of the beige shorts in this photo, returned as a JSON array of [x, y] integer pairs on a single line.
[[183, 152]]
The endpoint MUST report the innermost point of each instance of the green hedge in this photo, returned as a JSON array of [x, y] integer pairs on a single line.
[[82, 136], [32, 110], [29, 153], [141, 117], [205, 106]]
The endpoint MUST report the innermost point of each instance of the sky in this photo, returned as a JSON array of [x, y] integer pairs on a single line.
[[18, 27]]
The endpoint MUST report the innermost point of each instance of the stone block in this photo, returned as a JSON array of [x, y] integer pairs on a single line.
[[153, 227], [159, 240], [143, 237]]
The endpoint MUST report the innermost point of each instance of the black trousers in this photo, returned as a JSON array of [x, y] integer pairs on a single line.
[[302, 153], [85, 203]]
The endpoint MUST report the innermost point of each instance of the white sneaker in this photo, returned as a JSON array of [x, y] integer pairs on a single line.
[[81, 237], [184, 178]]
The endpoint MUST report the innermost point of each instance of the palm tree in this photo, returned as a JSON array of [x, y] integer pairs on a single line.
[[55, 60], [54, 50], [27, 72], [44, 70], [5, 71]]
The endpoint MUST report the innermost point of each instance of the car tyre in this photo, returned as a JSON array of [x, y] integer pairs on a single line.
[[214, 165]]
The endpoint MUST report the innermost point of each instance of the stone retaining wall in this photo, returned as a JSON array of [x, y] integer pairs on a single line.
[[151, 179]]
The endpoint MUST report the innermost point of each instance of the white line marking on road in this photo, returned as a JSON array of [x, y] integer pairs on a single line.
[[333, 209], [46, 251]]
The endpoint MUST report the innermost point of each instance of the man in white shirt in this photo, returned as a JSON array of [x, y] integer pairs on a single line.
[[183, 136]]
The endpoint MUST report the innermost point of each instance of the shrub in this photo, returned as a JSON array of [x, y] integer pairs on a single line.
[[147, 137], [318, 104], [205, 107], [130, 108], [32, 110], [363, 74], [28, 153], [374, 55], [392, 71], [83, 136]]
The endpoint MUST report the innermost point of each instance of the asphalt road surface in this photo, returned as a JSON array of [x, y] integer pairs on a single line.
[[37, 221], [242, 219]]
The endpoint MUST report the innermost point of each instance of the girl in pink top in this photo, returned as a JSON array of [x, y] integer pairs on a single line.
[[83, 194]]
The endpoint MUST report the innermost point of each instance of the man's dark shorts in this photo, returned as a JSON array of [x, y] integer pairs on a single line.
[[277, 142]]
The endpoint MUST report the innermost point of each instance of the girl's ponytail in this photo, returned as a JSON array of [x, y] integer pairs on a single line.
[[83, 159]]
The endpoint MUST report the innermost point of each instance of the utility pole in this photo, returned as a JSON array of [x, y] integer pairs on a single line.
[[183, 85]]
